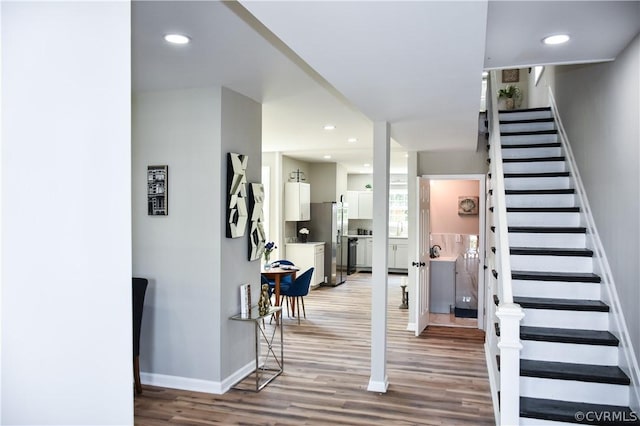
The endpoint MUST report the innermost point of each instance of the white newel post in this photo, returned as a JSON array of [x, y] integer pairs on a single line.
[[510, 315]]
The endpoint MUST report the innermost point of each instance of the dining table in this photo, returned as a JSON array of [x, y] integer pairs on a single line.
[[275, 275]]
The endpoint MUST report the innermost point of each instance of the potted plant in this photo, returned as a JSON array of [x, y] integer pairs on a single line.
[[510, 92]]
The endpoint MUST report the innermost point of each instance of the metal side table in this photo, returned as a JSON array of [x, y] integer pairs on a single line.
[[269, 364]]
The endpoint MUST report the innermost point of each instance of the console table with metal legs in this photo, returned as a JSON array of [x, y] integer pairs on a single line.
[[270, 364]]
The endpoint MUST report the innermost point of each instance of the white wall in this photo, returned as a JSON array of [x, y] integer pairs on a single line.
[[599, 106], [195, 271], [66, 214]]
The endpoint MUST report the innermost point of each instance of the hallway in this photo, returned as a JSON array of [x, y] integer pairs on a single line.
[[438, 378]]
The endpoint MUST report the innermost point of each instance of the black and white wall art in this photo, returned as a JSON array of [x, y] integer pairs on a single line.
[[157, 184], [257, 236], [237, 195]]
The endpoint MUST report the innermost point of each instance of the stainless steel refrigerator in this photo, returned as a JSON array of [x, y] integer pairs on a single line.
[[329, 223]]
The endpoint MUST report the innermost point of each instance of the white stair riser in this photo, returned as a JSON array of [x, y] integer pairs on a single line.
[[527, 127], [566, 319], [543, 219], [525, 115], [570, 390], [557, 289], [569, 352], [551, 263], [535, 167], [538, 183], [523, 239], [526, 421], [529, 139], [541, 200], [531, 152]]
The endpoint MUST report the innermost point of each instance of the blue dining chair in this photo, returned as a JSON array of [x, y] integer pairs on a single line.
[[296, 292]]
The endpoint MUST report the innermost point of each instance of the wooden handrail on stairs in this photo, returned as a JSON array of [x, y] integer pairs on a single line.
[[506, 381]]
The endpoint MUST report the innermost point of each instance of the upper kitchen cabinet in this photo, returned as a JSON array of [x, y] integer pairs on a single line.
[[297, 201], [360, 204]]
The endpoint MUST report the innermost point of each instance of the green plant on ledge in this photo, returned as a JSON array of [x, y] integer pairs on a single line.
[[509, 92]]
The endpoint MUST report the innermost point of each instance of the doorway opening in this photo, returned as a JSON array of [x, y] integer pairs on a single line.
[[456, 241]]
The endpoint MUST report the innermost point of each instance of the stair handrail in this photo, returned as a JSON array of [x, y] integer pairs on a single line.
[[509, 313], [620, 330], [503, 266]]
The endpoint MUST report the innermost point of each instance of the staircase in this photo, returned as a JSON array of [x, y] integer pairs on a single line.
[[569, 369]]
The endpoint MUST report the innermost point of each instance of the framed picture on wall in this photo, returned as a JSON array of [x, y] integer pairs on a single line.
[[157, 185], [511, 76], [468, 205]]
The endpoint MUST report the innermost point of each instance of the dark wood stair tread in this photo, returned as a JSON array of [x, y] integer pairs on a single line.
[[562, 304], [539, 191], [532, 145], [551, 251], [512, 111], [532, 159], [568, 335], [566, 411], [528, 120], [548, 229], [530, 133], [570, 371], [577, 277], [536, 175], [543, 209]]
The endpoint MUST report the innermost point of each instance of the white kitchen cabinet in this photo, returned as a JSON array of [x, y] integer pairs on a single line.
[[398, 254], [365, 205], [297, 201], [360, 204], [308, 255], [352, 204], [365, 252]]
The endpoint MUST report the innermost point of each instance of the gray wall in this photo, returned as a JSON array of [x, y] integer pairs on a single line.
[[195, 271], [599, 106], [451, 163]]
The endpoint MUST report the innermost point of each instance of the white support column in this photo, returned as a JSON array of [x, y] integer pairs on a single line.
[[510, 315], [378, 381]]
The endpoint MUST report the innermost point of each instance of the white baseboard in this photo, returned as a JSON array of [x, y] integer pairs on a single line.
[[411, 326], [378, 386], [197, 385]]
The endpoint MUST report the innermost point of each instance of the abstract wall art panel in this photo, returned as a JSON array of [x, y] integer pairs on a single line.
[[237, 212]]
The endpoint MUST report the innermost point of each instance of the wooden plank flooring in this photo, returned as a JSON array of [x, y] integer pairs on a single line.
[[439, 378]]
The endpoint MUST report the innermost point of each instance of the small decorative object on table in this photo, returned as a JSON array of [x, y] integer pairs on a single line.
[[268, 248], [304, 234], [264, 302]]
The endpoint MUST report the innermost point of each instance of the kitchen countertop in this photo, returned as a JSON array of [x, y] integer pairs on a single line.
[[444, 259], [369, 236], [310, 243]]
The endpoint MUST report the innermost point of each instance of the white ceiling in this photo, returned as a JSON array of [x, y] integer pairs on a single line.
[[416, 64]]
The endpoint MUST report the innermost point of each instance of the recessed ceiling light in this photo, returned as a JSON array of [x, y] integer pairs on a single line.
[[177, 38], [352, 140], [556, 39], [326, 157], [329, 127], [367, 165]]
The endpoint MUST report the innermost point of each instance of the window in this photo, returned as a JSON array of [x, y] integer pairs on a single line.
[[398, 211]]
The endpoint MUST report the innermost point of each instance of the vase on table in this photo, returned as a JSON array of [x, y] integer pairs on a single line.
[[267, 262]]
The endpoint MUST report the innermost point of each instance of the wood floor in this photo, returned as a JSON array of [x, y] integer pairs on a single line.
[[439, 378]]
